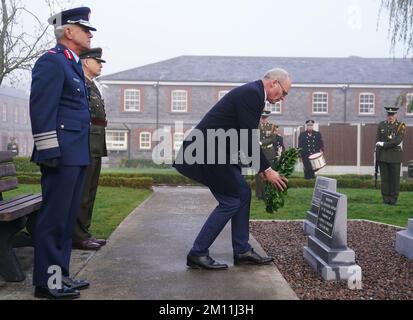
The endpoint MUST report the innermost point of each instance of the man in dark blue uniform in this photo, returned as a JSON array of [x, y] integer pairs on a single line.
[[60, 120], [240, 109], [310, 142]]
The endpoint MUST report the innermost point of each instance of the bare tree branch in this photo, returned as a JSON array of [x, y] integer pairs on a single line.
[[22, 43]]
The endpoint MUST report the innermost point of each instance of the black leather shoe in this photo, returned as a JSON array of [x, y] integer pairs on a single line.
[[65, 293], [75, 284], [251, 257], [204, 262]]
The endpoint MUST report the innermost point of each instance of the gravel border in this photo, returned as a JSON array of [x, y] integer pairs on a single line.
[[386, 274]]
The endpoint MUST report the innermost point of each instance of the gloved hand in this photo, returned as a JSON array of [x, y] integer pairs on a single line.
[[380, 144], [51, 163]]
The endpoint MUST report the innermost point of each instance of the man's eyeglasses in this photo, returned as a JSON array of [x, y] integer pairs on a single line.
[[282, 88]]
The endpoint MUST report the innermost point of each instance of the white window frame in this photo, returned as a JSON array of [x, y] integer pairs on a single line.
[[178, 141], [320, 104], [370, 105], [175, 101], [116, 145], [409, 98], [222, 93], [275, 108], [4, 113], [145, 145], [16, 115], [132, 104]]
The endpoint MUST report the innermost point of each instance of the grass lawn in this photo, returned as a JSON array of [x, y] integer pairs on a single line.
[[112, 205], [362, 204]]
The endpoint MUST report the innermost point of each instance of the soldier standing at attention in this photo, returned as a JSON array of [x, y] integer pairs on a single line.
[[389, 144], [92, 67], [13, 146], [267, 141], [60, 119], [310, 142]]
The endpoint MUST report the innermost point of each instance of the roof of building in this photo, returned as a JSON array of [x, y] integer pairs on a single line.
[[351, 70], [12, 92]]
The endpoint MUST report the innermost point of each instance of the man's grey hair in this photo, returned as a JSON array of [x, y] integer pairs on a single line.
[[59, 32], [277, 74]]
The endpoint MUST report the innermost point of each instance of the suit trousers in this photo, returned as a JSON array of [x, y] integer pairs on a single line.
[[61, 191], [234, 208], [84, 219]]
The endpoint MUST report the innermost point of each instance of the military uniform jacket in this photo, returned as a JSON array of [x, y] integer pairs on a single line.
[[392, 135], [59, 109], [268, 140], [98, 121], [240, 108], [310, 144]]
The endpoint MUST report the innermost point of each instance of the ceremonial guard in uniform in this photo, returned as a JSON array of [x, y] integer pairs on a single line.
[[92, 67], [60, 119], [268, 139], [310, 142], [389, 154], [13, 146]]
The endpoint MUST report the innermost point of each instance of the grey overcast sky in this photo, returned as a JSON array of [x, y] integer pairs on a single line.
[[133, 33]]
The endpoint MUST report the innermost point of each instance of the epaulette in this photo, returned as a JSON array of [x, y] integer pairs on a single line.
[[52, 51]]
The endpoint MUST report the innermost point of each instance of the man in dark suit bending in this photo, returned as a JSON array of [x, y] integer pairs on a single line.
[[238, 112]]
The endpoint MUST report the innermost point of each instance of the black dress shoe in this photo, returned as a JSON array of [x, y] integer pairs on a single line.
[[75, 284], [204, 262], [87, 244], [251, 257], [65, 293], [102, 242]]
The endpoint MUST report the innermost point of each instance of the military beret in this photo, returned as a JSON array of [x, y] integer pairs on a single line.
[[79, 16], [310, 122], [94, 53], [391, 110], [265, 113]]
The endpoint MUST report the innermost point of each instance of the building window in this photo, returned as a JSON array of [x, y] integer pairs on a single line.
[[179, 101], [16, 115], [178, 140], [366, 103], [25, 116], [4, 113], [145, 140], [273, 107], [222, 93], [132, 100], [409, 104], [320, 102], [116, 140]]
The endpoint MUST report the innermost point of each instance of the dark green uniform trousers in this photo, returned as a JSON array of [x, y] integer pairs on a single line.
[[90, 187], [390, 181]]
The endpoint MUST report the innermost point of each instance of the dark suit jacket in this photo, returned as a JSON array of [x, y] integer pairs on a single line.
[[240, 108]]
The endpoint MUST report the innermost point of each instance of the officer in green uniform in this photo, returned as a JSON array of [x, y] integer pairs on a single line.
[[268, 134], [92, 67], [13, 146], [389, 153]]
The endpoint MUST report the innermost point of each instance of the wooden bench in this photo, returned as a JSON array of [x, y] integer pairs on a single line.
[[13, 218]]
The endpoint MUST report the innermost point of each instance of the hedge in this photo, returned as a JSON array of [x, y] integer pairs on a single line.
[[137, 183], [142, 163], [24, 164]]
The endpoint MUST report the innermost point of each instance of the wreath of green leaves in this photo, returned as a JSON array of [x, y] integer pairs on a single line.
[[273, 198]]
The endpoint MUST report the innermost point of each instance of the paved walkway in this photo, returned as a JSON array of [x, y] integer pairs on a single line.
[[145, 258]]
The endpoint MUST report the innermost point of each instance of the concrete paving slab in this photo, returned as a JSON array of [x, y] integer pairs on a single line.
[[145, 258]]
